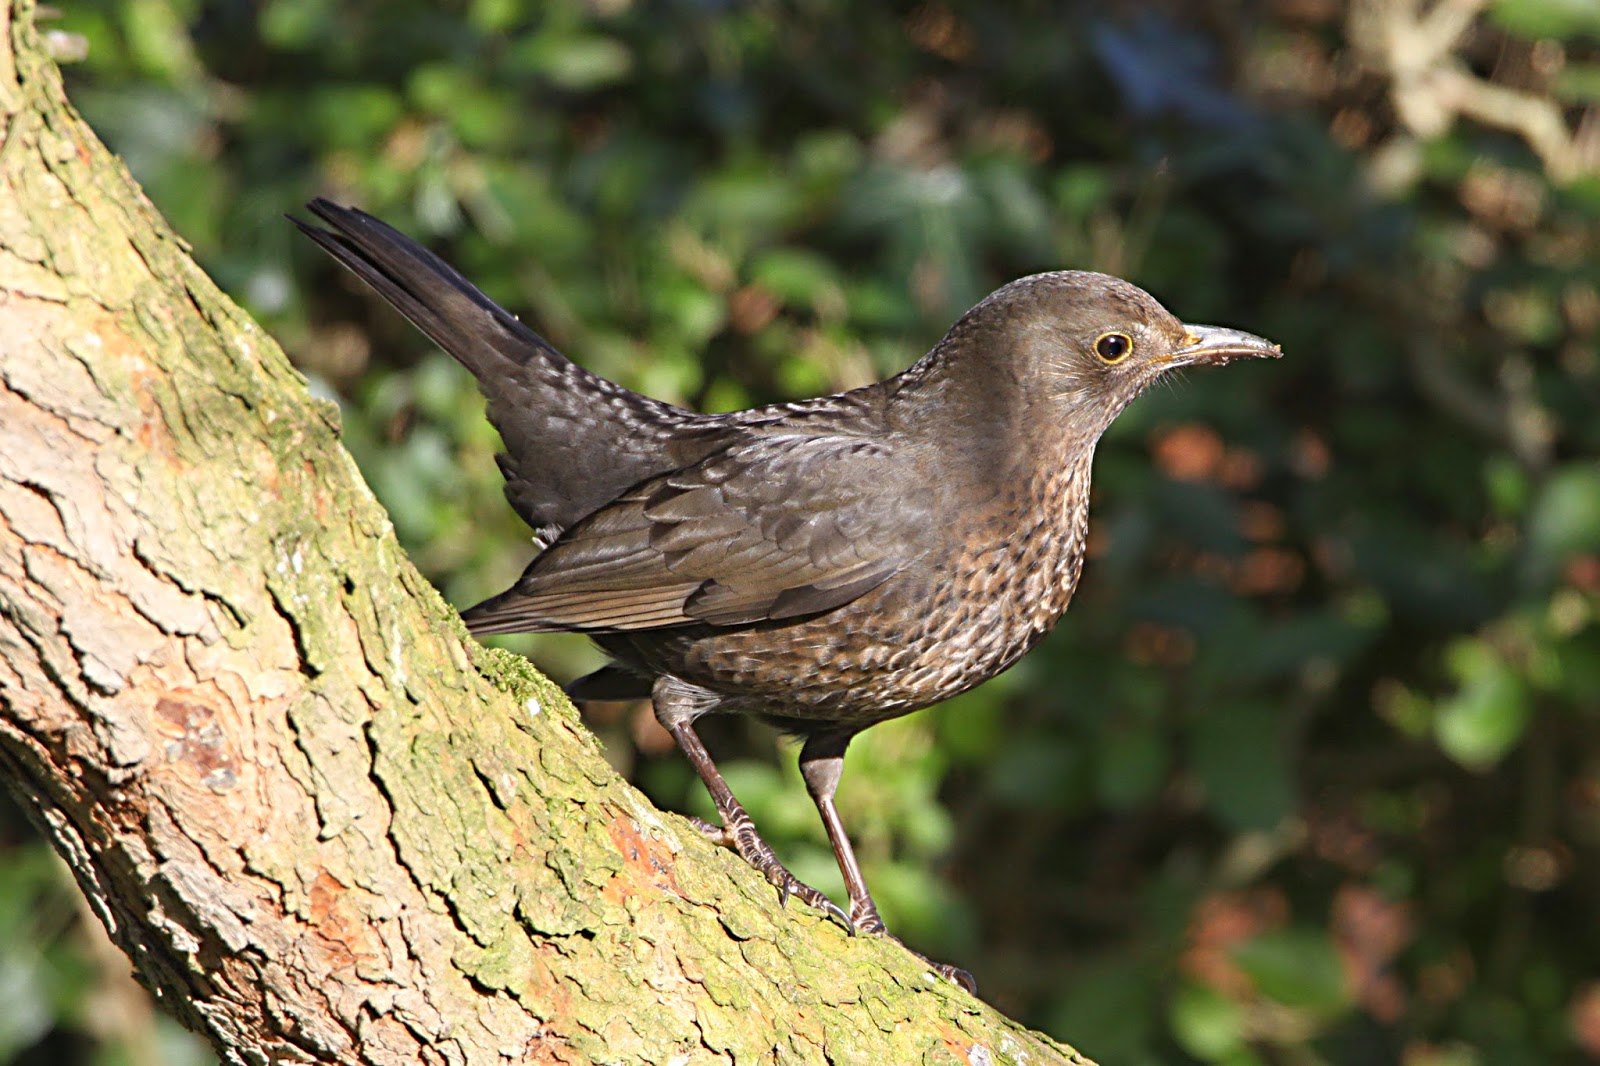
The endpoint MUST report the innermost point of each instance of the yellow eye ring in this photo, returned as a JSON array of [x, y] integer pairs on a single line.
[[1113, 346]]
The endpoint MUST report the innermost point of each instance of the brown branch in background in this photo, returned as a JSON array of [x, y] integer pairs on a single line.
[[1430, 86]]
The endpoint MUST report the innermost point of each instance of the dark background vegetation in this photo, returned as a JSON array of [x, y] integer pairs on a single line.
[[1310, 772]]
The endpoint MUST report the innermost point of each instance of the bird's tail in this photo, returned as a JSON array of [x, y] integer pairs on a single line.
[[573, 439], [452, 311]]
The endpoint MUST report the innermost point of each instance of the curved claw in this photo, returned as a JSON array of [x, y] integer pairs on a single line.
[[953, 974], [835, 912], [743, 839], [863, 918], [788, 885], [957, 975]]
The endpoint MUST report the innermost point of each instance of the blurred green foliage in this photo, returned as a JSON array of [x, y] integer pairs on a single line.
[[1310, 772]]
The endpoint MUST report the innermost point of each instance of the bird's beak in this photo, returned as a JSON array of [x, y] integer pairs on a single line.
[[1218, 346]]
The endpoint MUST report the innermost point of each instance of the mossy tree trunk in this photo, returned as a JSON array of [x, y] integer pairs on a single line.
[[322, 822]]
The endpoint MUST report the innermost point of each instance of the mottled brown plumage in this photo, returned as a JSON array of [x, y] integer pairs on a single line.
[[826, 564]]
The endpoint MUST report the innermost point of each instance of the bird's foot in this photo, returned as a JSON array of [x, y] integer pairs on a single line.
[[864, 916], [954, 974], [743, 838]]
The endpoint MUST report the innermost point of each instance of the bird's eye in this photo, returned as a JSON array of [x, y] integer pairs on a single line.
[[1113, 347]]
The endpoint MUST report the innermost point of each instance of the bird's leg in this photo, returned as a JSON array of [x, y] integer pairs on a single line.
[[676, 705], [821, 764]]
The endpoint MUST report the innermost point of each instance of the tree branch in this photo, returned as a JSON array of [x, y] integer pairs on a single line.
[[324, 824], [1430, 85]]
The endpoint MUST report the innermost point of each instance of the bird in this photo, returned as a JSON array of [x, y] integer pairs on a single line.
[[824, 564]]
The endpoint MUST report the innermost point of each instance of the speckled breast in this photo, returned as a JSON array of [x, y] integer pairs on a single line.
[[929, 633]]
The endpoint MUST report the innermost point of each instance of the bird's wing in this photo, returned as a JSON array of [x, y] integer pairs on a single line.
[[775, 526]]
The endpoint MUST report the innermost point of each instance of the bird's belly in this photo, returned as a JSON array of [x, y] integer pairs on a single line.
[[915, 640]]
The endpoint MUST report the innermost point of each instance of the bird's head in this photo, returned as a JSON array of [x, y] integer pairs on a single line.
[[1075, 347]]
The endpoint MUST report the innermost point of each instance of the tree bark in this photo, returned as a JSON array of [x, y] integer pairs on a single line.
[[323, 823]]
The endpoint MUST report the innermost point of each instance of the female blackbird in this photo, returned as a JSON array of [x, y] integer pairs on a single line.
[[826, 564]]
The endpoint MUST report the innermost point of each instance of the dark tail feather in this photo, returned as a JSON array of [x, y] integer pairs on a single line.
[[609, 683], [573, 439], [451, 310]]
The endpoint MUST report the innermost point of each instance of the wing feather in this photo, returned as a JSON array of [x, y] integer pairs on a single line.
[[776, 525]]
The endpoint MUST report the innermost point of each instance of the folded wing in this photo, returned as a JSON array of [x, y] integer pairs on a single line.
[[776, 525]]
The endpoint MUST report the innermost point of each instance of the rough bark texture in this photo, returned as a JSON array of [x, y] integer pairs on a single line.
[[323, 823]]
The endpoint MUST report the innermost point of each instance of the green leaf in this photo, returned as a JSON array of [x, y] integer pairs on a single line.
[[1547, 18], [1579, 82], [1565, 521], [1130, 766], [1209, 1025], [1296, 967], [801, 278], [1034, 771], [1106, 1006], [1081, 190], [687, 308], [1489, 711], [159, 41], [295, 23], [1237, 752], [28, 1013], [35, 974], [1506, 482], [971, 727], [579, 62], [353, 116]]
